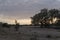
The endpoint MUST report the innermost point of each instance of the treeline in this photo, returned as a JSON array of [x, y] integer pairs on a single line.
[[6, 25]]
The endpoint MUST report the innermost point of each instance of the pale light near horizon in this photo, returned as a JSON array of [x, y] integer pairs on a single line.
[[54, 20], [12, 21], [24, 21]]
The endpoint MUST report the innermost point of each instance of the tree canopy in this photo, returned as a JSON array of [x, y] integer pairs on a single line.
[[44, 15]]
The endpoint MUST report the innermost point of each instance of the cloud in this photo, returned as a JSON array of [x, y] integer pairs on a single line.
[[58, 0], [8, 5], [27, 7]]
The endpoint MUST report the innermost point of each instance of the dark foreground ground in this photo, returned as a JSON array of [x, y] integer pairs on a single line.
[[29, 33]]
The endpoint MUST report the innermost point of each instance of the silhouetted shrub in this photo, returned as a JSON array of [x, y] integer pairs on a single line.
[[17, 27], [48, 36], [57, 27], [5, 25]]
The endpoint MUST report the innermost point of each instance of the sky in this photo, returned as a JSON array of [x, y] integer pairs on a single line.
[[24, 9]]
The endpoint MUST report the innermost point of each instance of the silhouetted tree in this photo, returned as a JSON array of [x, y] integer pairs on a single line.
[[54, 12], [45, 15], [40, 17]]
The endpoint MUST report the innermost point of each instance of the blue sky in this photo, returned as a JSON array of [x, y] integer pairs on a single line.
[[25, 8]]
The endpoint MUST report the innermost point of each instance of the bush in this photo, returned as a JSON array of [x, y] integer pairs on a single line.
[[48, 36]]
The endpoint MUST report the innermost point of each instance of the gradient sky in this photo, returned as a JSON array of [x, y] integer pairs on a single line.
[[25, 8]]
